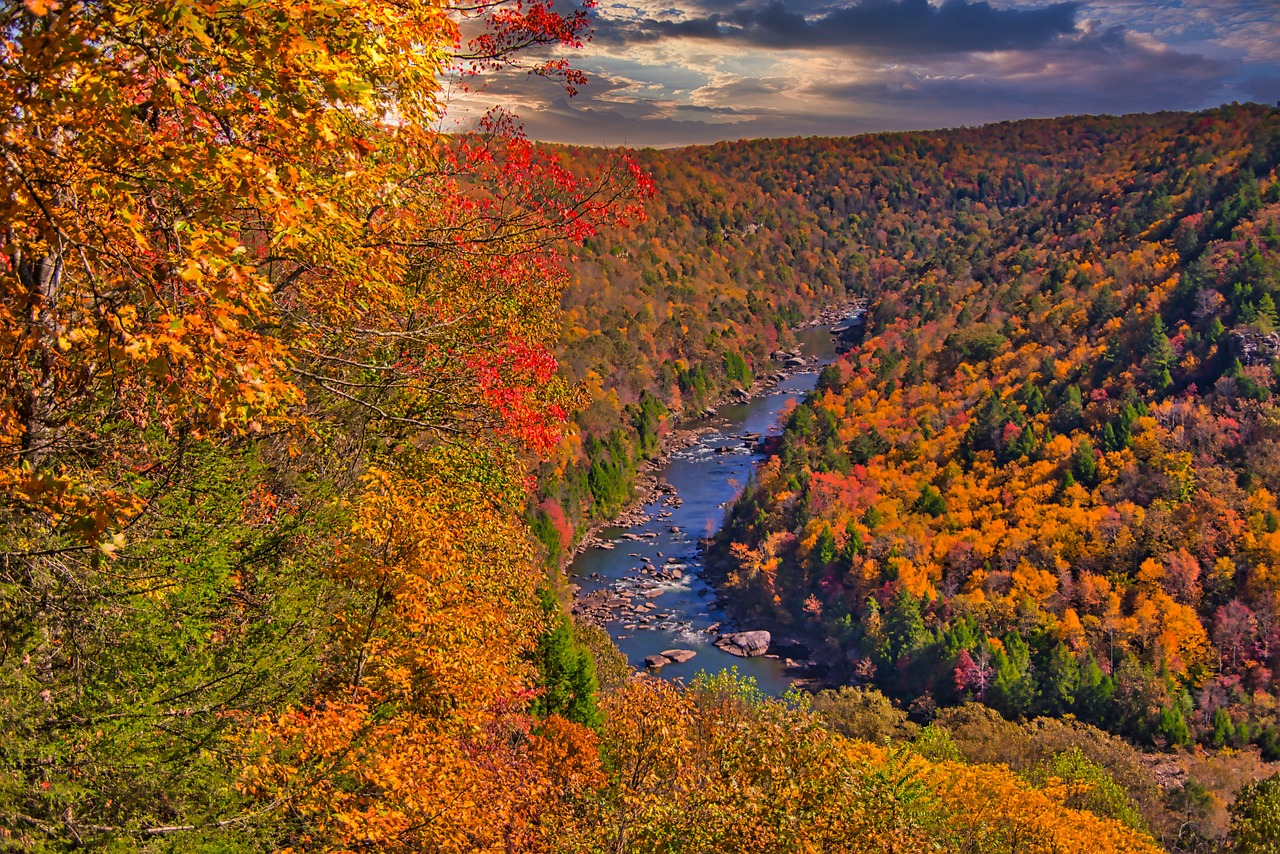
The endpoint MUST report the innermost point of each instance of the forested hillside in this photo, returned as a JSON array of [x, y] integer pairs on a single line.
[[1047, 480], [747, 239]]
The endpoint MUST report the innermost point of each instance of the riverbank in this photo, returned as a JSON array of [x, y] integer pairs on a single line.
[[640, 574], [649, 488]]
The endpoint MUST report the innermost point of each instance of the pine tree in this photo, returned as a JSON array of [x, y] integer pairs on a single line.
[[1060, 683], [903, 626], [566, 671], [1070, 411], [1159, 356], [1224, 731], [1093, 697], [1084, 463]]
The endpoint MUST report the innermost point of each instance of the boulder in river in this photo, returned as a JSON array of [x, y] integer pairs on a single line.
[[656, 662], [744, 644], [678, 656]]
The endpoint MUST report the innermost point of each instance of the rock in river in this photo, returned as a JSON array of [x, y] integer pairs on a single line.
[[744, 644], [678, 656]]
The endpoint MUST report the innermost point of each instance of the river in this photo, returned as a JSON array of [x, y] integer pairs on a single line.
[[707, 477]]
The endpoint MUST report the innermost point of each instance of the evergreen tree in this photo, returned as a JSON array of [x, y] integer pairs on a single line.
[[1159, 356], [931, 502], [1110, 442], [1084, 463], [1014, 689], [903, 626], [1060, 683], [1032, 398], [1172, 725], [1224, 731], [1093, 696], [566, 671], [1070, 411], [825, 548], [1267, 313]]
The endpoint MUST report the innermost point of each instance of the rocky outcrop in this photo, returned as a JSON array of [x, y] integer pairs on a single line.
[[669, 656], [744, 644]]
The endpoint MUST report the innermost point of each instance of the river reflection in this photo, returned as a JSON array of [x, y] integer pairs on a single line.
[[706, 477]]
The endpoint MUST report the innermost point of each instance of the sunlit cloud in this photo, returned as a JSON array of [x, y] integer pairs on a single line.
[[696, 71]]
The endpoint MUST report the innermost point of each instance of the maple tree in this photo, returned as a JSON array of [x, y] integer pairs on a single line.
[[273, 347]]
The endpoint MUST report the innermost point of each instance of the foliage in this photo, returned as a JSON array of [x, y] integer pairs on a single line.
[[1097, 791], [863, 714], [566, 670], [719, 767], [1255, 817], [1047, 471], [275, 348], [282, 358]]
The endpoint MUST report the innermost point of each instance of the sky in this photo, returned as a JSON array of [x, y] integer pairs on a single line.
[[675, 72]]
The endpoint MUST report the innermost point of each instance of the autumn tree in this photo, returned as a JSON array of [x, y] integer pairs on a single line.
[[274, 348]]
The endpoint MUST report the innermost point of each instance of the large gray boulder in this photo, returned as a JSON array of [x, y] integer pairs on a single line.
[[744, 644]]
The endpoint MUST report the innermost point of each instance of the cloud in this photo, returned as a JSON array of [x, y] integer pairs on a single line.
[[1094, 71], [839, 67], [889, 27], [1265, 90]]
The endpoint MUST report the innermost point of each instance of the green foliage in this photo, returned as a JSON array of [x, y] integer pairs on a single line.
[[736, 369], [936, 744], [1069, 412], [903, 626], [1173, 726], [864, 714], [566, 670], [1255, 818], [1224, 731], [931, 502], [973, 344], [1060, 682], [1093, 697], [1014, 691], [1160, 357], [1084, 463], [612, 670], [825, 549], [114, 701], [649, 415]]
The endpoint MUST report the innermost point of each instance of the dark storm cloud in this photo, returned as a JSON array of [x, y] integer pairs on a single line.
[[901, 27]]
